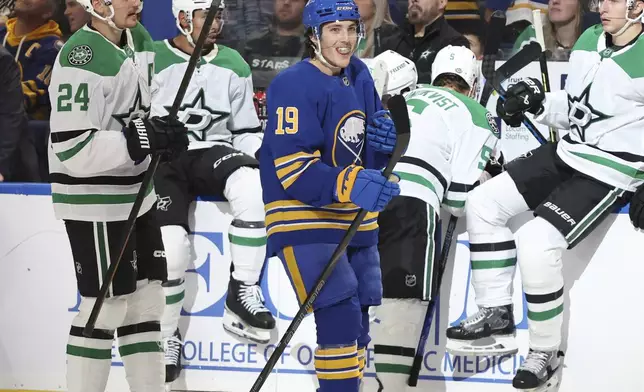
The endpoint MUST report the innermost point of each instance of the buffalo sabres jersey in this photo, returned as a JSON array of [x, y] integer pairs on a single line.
[[452, 139], [603, 107], [218, 105], [96, 88], [316, 128]]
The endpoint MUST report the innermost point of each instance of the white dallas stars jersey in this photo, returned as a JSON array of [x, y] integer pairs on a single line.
[[452, 139], [96, 87], [218, 105], [603, 107]]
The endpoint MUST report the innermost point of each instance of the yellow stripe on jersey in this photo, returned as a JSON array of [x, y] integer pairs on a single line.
[[313, 215], [293, 157], [285, 228], [348, 207], [290, 167], [294, 272], [309, 220], [337, 363], [361, 361], [336, 351], [287, 182], [281, 173]]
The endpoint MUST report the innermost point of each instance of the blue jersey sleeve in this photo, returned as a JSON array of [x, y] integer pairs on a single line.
[[295, 139], [373, 159]]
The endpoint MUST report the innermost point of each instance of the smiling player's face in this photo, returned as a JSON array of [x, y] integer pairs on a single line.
[[338, 42]]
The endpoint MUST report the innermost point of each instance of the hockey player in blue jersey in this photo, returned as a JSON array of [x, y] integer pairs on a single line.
[[325, 144]]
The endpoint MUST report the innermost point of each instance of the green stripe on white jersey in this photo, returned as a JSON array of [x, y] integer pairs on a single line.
[[96, 88], [219, 100], [603, 106], [453, 136]]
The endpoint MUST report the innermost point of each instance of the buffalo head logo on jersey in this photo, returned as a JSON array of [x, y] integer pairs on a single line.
[[349, 139]]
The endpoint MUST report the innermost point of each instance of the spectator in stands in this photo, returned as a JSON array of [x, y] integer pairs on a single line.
[[425, 33], [475, 34], [561, 28], [280, 47], [34, 39], [76, 15], [285, 37], [378, 24], [18, 161]]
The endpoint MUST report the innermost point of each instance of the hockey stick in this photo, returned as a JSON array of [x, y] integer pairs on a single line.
[[414, 372], [543, 64], [520, 60], [495, 32], [149, 174], [491, 50], [398, 108]]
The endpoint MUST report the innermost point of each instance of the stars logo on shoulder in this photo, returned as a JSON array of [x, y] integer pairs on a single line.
[[136, 110], [582, 114], [199, 117], [80, 55]]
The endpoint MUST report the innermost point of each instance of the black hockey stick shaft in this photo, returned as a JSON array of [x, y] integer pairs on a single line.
[[543, 64], [398, 108], [149, 174], [514, 64], [490, 53], [416, 366]]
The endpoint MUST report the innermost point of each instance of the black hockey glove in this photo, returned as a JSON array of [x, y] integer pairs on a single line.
[[495, 166], [525, 96], [636, 209], [156, 135]]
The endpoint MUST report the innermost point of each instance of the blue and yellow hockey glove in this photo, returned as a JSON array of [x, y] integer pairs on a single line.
[[381, 132], [366, 188]]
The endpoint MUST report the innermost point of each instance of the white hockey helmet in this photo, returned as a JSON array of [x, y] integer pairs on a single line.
[[188, 7], [392, 73], [459, 61], [87, 5]]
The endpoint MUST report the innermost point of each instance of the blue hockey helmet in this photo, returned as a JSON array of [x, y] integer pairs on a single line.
[[318, 12]]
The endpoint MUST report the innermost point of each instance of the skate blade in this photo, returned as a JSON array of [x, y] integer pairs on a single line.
[[552, 385], [235, 325], [493, 345]]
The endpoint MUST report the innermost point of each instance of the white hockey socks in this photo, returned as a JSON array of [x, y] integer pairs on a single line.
[[493, 252], [177, 252], [89, 359], [139, 339], [247, 249], [395, 336], [247, 233], [540, 248]]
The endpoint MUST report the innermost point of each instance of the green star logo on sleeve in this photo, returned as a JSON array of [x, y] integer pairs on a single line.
[[198, 117], [80, 55]]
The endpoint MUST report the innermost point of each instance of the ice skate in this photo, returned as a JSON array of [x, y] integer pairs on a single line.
[[172, 347], [490, 331], [245, 315], [539, 372]]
